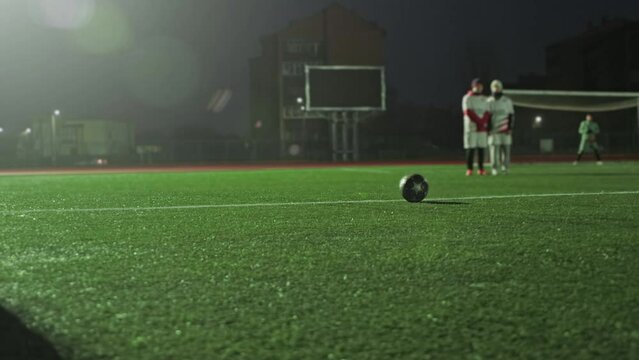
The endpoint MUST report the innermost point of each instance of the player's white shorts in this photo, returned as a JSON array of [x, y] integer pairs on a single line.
[[474, 139], [500, 139]]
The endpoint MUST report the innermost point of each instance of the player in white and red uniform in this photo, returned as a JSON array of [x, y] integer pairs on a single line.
[[502, 120], [476, 120]]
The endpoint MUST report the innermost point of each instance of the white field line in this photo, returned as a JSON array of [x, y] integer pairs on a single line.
[[305, 203]]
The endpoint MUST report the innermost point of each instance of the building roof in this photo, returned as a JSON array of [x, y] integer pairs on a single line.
[[332, 7], [594, 32]]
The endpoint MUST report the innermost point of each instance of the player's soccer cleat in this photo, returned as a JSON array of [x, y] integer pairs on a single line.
[[481, 172], [469, 172], [494, 172]]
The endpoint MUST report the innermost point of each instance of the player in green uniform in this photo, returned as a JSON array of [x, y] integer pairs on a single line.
[[588, 129]]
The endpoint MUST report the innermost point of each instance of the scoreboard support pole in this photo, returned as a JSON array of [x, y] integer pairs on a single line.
[[346, 145], [356, 137], [637, 132], [334, 145], [344, 128]]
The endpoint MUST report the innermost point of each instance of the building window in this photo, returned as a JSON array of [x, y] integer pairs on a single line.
[[300, 47], [296, 68]]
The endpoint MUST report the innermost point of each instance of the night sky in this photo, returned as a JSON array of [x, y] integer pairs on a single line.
[[92, 61]]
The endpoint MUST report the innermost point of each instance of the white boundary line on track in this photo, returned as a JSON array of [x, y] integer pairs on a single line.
[[338, 202]]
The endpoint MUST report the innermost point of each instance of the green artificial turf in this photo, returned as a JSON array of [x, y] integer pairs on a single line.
[[514, 277]]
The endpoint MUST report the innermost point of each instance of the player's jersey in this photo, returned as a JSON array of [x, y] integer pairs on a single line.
[[588, 131], [501, 109], [588, 128], [476, 113]]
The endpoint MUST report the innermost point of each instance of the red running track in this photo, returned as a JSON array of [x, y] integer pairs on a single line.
[[264, 166]]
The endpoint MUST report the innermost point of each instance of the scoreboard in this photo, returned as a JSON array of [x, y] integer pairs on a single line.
[[345, 88]]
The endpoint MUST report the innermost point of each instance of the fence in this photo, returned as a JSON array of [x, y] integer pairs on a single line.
[[372, 148]]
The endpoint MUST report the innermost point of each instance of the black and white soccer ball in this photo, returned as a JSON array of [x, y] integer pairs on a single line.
[[414, 188]]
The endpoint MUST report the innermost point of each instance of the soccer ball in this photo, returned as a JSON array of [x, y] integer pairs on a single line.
[[414, 188]]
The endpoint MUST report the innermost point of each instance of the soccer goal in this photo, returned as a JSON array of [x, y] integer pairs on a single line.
[[620, 111]]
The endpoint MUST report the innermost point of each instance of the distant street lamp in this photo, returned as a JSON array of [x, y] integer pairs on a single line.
[[54, 140]]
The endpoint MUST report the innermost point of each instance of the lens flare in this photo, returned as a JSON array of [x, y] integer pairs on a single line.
[[220, 100], [62, 14], [109, 31]]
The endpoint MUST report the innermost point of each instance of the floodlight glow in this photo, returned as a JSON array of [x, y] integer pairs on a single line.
[[62, 14], [109, 31]]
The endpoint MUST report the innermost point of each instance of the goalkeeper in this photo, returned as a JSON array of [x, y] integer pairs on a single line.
[[588, 129]]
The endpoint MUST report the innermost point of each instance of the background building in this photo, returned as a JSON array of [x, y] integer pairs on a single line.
[[78, 142], [605, 57], [334, 36]]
